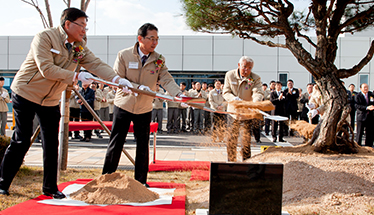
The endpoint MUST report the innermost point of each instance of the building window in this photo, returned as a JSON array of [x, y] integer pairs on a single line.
[[283, 77], [364, 79]]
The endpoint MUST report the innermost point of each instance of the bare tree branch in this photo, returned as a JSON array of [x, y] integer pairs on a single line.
[[36, 5], [345, 73], [49, 15]]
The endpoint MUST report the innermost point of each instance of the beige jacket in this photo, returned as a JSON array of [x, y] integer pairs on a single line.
[[248, 89], [4, 101], [105, 91], [158, 103], [186, 93], [128, 65], [73, 101], [267, 93], [49, 68], [194, 93], [98, 98], [110, 98], [216, 99], [170, 104]]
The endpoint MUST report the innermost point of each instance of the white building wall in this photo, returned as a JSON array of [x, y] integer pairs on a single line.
[[208, 54]]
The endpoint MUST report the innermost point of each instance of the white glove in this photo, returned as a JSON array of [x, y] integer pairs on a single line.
[[84, 77], [237, 99], [126, 83], [4, 94], [312, 113], [142, 87], [311, 105], [184, 105]]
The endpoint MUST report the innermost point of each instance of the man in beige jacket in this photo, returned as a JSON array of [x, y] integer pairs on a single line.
[[158, 109], [217, 102], [241, 84], [3, 105], [36, 90], [144, 68]]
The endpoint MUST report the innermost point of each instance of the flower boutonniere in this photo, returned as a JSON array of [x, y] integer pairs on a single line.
[[249, 83], [78, 52], [159, 63], [371, 99]]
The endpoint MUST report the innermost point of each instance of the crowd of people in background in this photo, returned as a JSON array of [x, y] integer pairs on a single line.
[[288, 101]]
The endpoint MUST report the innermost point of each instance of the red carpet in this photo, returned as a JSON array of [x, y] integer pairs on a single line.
[[31, 207], [200, 175], [90, 125], [178, 165]]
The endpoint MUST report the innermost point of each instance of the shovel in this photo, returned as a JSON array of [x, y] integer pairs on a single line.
[[150, 93]]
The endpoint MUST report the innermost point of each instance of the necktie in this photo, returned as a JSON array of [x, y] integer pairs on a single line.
[[68, 46], [144, 59], [367, 98]]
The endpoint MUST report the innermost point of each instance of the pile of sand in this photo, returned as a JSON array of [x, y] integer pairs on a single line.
[[115, 188], [304, 128]]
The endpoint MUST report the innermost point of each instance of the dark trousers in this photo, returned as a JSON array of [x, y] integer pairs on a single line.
[[74, 116], [353, 118], [292, 116], [191, 118], [48, 116], [173, 119], [87, 116], [120, 128], [368, 127], [207, 120], [157, 115], [183, 116], [275, 129], [198, 124]]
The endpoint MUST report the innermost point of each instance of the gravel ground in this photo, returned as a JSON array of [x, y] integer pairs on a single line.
[[315, 183]]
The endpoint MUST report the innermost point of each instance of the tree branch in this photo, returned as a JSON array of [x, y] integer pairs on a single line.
[[345, 73], [36, 5], [49, 15]]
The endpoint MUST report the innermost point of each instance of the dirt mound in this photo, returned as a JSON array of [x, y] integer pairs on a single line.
[[304, 128], [115, 188]]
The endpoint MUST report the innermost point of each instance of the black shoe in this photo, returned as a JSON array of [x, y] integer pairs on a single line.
[[55, 195], [146, 185], [77, 137], [99, 136], [274, 139], [258, 141], [267, 134], [281, 140], [4, 192], [82, 139]]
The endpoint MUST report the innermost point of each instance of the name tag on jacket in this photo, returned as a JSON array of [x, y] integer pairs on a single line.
[[133, 65]]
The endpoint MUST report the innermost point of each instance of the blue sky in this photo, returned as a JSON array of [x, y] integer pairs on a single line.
[[106, 17]]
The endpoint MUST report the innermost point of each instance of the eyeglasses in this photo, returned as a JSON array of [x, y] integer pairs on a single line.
[[152, 39], [84, 28]]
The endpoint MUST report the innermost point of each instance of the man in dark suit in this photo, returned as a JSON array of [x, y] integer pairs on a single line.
[[89, 95], [278, 100], [351, 88], [365, 106], [291, 95]]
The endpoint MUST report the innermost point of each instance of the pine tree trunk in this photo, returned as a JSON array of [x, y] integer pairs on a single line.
[[333, 133]]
